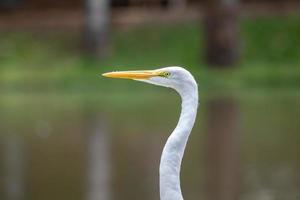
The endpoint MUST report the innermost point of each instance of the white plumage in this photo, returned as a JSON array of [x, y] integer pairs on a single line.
[[184, 83]]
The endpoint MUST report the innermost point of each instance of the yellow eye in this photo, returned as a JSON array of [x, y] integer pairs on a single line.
[[165, 74]]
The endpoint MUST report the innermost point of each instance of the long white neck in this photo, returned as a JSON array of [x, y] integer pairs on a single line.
[[170, 164]]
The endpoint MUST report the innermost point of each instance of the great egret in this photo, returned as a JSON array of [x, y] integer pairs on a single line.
[[184, 83]]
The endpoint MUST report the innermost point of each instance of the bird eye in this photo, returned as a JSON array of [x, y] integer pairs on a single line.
[[165, 74]]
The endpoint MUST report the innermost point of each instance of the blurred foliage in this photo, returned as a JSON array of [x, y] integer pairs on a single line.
[[44, 78], [53, 61]]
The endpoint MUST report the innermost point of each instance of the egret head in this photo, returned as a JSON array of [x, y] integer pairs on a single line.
[[173, 77]]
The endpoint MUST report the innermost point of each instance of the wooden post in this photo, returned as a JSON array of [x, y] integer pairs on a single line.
[[221, 33], [97, 28], [177, 4]]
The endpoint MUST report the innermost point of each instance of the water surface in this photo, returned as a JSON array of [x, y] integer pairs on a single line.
[[58, 146]]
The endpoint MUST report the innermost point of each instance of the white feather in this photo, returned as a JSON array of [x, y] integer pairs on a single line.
[[184, 83]]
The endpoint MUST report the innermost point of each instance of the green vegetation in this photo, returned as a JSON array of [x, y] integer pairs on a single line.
[[53, 63]]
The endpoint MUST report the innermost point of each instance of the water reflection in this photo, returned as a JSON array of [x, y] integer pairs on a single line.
[[56, 159], [136, 165], [80, 151], [14, 154], [223, 142], [98, 159]]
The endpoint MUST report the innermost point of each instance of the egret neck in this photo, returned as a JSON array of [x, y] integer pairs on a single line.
[[173, 151], [184, 83]]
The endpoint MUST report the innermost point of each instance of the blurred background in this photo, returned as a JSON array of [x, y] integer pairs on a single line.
[[68, 133]]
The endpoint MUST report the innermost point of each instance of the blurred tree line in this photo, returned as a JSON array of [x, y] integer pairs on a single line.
[[220, 26], [220, 23], [69, 4]]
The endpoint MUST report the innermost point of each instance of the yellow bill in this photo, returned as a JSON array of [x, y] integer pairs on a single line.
[[142, 74]]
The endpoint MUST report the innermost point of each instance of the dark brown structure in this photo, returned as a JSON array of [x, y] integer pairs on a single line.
[[221, 33], [97, 28], [73, 4]]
